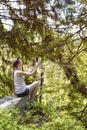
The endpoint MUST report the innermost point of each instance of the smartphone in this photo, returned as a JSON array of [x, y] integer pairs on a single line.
[[36, 59]]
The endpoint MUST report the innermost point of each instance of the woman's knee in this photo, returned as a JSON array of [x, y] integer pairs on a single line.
[[37, 83], [34, 85]]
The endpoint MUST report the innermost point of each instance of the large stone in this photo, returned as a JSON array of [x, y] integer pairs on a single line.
[[14, 101]]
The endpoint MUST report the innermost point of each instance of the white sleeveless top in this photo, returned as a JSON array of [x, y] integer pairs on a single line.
[[19, 82]]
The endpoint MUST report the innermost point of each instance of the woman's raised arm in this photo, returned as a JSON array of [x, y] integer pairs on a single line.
[[29, 73]]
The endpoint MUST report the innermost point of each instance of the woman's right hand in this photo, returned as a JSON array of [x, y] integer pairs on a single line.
[[37, 63]]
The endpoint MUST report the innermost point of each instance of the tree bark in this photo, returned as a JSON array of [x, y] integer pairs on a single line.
[[71, 75]]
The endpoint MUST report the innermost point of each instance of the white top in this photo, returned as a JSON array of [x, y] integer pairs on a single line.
[[19, 82]]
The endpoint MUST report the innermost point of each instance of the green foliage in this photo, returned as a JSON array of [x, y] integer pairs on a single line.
[[65, 122], [54, 30], [7, 122], [39, 117]]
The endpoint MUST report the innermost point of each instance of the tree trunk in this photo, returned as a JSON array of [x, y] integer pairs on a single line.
[[71, 75]]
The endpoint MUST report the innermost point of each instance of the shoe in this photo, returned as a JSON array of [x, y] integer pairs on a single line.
[[32, 101]]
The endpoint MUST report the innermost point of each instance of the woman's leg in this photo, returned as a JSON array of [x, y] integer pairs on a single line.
[[33, 88]]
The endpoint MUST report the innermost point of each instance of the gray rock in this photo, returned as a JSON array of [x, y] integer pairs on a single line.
[[14, 101]]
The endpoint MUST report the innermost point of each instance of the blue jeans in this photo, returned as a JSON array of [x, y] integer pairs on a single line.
[[25, 93]]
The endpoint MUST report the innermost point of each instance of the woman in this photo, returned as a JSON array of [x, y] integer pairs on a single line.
[[21, 89]]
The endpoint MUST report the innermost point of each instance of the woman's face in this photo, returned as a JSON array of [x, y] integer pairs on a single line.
[[19, 65]]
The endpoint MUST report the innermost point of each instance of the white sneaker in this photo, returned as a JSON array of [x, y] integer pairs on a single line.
[[32, 101]]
